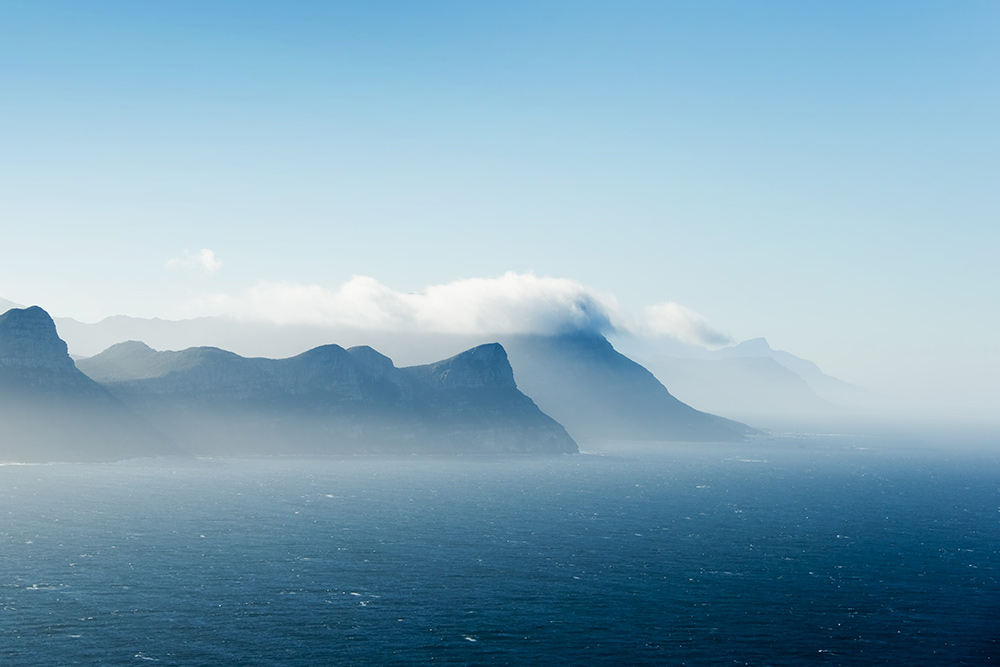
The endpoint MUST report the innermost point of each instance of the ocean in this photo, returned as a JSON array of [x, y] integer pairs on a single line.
[[830, 550]]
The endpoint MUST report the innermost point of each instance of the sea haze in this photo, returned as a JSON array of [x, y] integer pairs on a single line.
[[779, 551]]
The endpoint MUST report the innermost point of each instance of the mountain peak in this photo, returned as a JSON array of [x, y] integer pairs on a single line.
[[758, 346], [484, 365], [599, 393], [28, 339], [132, 346], [371, 361]]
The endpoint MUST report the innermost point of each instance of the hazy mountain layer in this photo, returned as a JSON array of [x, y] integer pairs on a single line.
[[826, 387], [626, 401], [50, 411], [598, 393], [752, 382], [329, 400], [758, 390], [740, 382]]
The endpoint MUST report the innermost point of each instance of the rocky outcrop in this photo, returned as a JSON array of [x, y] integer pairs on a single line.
[[30, 346]]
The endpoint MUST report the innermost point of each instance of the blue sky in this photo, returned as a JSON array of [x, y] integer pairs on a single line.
[[824, 174]]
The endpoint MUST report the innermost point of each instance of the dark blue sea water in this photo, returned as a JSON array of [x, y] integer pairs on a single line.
[[830, 551]]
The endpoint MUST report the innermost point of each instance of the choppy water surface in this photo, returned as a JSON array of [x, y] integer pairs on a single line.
[[778, 552]]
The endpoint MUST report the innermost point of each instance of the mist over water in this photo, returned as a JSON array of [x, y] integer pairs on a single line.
[[781, 551]]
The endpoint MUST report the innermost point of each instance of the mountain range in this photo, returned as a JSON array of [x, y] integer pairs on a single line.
[[576, 379], [329, 400], [754, 383], [749, 382]]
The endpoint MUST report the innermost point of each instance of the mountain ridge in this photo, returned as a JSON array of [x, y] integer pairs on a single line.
[[331, 399], [413, 347]]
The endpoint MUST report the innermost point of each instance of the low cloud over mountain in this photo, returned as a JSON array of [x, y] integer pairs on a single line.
[[514, 303], [511, 303], [674, 320]]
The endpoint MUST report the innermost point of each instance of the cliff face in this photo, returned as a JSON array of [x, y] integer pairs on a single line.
[[482, 366], [329, 400], [30, 349], [473, 395], [50, 411]]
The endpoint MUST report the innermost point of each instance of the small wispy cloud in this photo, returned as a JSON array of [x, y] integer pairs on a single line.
[[204, 260], [674, 320]]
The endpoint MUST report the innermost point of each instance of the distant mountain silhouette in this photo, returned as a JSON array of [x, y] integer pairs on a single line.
[[329, 400], [826, 387], [597, 393], [6, 305], [757, 390], [756, 384], [50, 411]]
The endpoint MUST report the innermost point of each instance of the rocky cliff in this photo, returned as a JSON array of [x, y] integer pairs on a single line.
[[474, 393], [31, 349]]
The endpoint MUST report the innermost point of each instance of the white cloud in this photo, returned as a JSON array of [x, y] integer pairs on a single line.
[[674, 320], [511, 303], [205, 260], [507, 304]]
